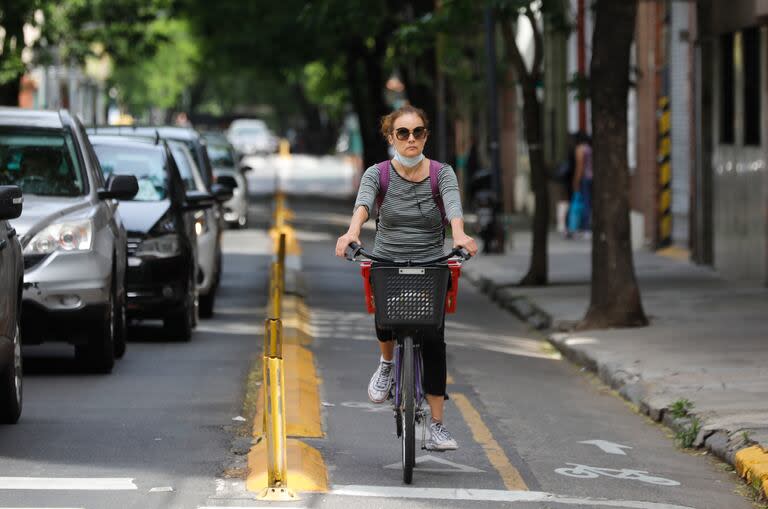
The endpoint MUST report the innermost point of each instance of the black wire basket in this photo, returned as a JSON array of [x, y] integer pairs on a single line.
[[409, 297]]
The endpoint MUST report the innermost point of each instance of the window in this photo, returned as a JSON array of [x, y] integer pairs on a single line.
[[751, 52], [727, 90], [146, 164], [41, 162]]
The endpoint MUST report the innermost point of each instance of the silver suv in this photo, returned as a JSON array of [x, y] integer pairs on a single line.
[[73, 240]]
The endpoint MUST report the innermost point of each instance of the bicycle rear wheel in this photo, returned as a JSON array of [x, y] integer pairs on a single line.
[[408, 410]]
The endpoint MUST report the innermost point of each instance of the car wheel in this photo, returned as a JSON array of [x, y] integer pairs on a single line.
[[179, 324], [99, 354], [12, 388], [121, 328]]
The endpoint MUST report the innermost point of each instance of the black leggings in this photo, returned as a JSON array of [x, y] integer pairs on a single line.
[[433, 356]]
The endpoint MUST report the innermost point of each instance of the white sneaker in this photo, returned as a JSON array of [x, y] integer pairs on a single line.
[[381, 381], [439, 438]]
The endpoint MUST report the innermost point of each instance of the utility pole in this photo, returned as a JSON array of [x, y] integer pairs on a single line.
[[497, 231]]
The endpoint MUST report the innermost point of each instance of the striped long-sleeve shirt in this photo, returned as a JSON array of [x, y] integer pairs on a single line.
[[410, 227]]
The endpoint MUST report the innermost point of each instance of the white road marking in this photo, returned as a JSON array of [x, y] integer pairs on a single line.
[[449, 466], [370, 407], [609, 447], [587, 472], [482, 495], [68, 483], [161, 489]]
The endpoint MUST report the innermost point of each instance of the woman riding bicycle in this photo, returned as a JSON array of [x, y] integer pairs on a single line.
[[410, 226]]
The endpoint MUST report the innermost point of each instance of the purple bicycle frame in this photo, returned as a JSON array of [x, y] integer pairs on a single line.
[[416, 379]]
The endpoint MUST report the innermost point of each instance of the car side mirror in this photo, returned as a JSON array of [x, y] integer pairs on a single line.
[[120, 187], [198, 200], [221, 192], [245, 168], [11, 202], [227, 181]]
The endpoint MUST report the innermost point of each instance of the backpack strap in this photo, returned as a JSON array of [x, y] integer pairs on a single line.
[[434, 170], [383, 182]]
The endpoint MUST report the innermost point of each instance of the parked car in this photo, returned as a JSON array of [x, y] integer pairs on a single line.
[[194, 141], [196, 144], [251, 136], [72, 234], [11, 281], [207, 227], [162, 243], [227, 171]]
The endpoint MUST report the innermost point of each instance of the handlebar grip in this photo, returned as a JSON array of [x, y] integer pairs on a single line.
[[463, 253], [352, 250]]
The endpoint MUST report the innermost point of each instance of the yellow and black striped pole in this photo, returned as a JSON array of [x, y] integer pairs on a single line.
[[664, 160]]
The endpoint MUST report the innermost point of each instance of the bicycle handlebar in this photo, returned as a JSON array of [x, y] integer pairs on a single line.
[[354, 250]]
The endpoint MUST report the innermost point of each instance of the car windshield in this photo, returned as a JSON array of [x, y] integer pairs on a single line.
[[42, 163], [184, 164], [145, 163], [220, 156]]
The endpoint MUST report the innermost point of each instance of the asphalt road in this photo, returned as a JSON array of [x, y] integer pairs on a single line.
[[160, 427], [516, 409]]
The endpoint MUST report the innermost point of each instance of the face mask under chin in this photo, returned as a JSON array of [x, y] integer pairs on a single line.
[[408, 162]]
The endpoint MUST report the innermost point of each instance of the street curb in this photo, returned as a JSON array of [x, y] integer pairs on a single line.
[[750, 461], [510, 298]]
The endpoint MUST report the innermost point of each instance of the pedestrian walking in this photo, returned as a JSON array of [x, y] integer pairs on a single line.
[[582, 179], [410, 225], [564, 177]]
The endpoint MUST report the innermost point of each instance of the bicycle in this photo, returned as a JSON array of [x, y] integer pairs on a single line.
[[404, 296]]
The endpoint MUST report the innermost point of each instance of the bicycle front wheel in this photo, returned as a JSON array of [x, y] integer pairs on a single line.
[[408, 412]]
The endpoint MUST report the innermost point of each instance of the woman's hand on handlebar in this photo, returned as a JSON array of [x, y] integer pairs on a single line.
[[465, 241], [344, 241]]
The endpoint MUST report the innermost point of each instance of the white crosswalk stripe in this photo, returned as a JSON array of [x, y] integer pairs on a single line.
[[68, 483]]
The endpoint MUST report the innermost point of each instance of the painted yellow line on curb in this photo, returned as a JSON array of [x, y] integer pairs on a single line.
[[752, 464], [306, 468], [482, 435]]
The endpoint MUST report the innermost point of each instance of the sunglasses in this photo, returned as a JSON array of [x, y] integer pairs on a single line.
[[403, 133]]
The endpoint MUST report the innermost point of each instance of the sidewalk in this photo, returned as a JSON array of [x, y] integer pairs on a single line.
[[707, 341]]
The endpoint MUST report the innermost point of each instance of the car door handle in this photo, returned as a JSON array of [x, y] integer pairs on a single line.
[[11, 233]]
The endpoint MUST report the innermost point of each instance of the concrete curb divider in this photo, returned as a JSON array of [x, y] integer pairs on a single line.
[[750, 461]]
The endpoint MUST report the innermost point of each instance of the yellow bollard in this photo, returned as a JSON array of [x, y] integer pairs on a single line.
[[276, 290], [281, 260], [285, 148], [274, 414]]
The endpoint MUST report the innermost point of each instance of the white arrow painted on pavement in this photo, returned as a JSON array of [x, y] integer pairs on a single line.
[[609, 447], [448, 466]]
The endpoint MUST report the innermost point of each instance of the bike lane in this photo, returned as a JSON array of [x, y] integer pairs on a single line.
[[531, 427]]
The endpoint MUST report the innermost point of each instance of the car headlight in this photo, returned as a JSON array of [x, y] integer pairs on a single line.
[[69, 236], [164, 246]]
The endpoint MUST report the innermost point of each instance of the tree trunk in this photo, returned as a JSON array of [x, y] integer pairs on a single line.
[[9, 92], [13, 42], [615, 300], [364, 79], [538, 270]]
